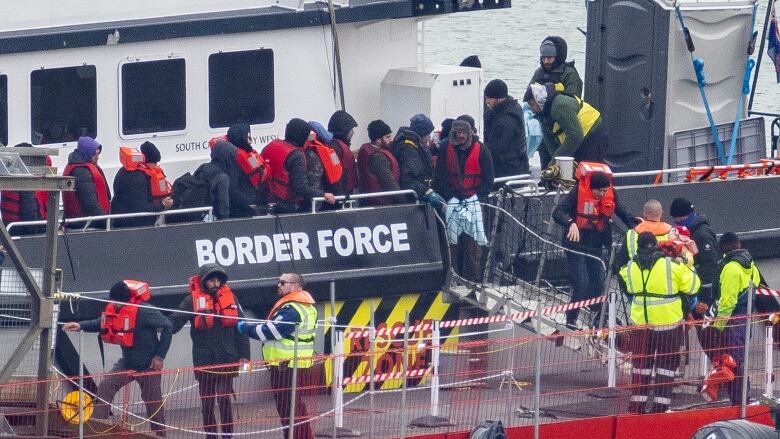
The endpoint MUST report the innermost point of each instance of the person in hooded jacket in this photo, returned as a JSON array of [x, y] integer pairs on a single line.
[[570, 126], [554, 68], [23, 206], [706, 260], [465, 169], [505, 130], [289, 186], [133, 192], [215, 172], [343, 125], [91, 195], [410, 147], [243, 194], [215, 341]]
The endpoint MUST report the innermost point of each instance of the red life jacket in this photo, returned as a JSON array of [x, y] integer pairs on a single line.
[[349, 175], [253, 165], [118, 327], [9, 204], [204, 303], [133, 160], [276, 153], [71, 202], [593, 213], [464, 183], [368, 181], [331, 163], [42, 196]]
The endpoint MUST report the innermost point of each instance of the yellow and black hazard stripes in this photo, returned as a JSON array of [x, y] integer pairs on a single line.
[[389, 315]]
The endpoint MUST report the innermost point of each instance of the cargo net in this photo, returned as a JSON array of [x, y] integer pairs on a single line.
[[15, 315], [521, 265]]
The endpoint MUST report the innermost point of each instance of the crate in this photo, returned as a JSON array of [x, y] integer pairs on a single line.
[[696, 147]]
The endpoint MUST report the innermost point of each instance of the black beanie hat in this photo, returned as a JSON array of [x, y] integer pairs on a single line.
[[599, 180], [728, 241], [297, 131], [496, 89], [471, 61], [150, 152], [647, 241], [446, 124], [378, 129], [680, 207], [421, 124], [119, 292]]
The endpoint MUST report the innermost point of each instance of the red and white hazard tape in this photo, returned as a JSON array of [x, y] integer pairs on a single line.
[[427, 326], [381, 377], [767, 292]]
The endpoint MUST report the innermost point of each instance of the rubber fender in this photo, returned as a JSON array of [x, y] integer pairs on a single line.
[[735, 429], [488, 430]]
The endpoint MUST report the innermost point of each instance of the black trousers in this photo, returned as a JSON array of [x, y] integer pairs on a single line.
[[281, 383], [216, 386]]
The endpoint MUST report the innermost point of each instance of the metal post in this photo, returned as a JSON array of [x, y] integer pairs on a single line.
[[371, 366], [404, 372], [538, 369], [511, 372], [612, 356], [335, 364], [293, 387], [705, 364], [769, 344], [746, 360], [336, 52], [81, 388], [435, 351], [339, 407]]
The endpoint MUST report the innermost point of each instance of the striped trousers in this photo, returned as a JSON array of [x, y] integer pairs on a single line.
[[659, 351]]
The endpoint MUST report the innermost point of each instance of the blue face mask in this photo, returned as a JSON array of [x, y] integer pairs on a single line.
[[688, 220]]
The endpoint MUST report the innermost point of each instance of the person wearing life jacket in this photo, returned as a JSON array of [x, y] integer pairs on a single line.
[[18, 206], [343, 125], [291, 321], [215, 341], [140, 185], [652, 221], [91, 195], [377, 166], [738, 277], [505, 130], [135, 329], [288, 186], [554, 69], [246, 190], [586, 215], [464, 177], [571, 127], [655, 284], [323, 166]]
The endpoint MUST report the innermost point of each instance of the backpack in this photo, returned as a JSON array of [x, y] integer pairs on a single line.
[[190, 191]]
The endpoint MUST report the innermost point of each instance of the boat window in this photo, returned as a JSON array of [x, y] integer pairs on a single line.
[[4, 109], [63, 104], [241, 87], [153, 96]]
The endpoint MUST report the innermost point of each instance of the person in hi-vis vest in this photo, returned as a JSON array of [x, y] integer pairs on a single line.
[[292, 317]]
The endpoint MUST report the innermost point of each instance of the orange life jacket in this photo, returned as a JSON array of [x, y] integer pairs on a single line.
[[331, 163], [593, 213], [276, 153], [133, 160], [202, 302], [253, 165], [296, 296], [118, 326], [70, 201], [464, 183]]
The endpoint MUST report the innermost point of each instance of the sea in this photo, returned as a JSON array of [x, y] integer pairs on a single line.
[[507, 42]]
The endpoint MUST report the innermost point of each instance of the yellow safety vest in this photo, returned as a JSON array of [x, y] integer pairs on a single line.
[[587, 116], [278, 351], [656, 292]]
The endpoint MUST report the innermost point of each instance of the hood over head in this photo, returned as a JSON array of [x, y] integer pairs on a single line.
[[561, 50], [458, 127], [297, 132], [223, 154], [238, 135], [208, 271], [87, 147], [340, 124]]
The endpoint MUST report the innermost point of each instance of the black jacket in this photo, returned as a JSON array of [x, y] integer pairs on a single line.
[[146, 343], [440, 179], [706, 261], [85, 187], [29, 210], [505, 136], [132, 193], [590, 240], [217, 345], [240, 192], [414, 161]]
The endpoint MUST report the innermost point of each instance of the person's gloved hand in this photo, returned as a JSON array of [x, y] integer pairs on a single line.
[[433, 198], [243, 327]]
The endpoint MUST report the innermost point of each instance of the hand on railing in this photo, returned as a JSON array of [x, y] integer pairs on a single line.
[[434, 199]]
